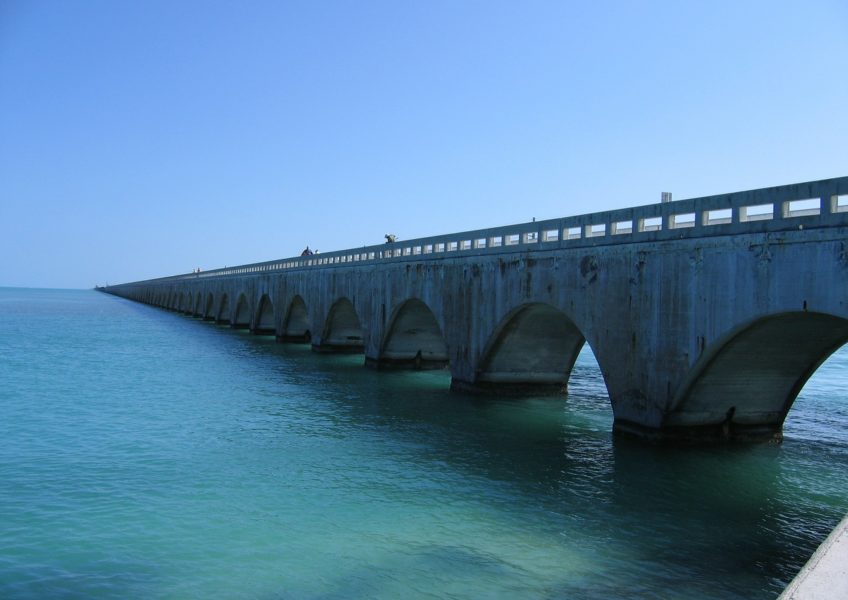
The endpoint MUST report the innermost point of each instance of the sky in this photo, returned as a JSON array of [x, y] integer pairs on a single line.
[[144, 139]]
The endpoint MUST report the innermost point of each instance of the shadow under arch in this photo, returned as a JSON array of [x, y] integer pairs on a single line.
[[188, 306], [296, 323], [265, 317], [413, 339], [223, 314], [241, 318], [744, 384], [198, 299], [532, 351], [208, 315], [342, 330]]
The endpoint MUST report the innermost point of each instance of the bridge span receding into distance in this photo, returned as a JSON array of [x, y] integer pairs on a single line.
[[706, 316]]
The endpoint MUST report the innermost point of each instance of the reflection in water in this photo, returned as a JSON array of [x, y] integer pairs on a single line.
[[717, 514]]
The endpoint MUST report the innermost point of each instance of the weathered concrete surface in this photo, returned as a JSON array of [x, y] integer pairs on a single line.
[[704, 331], [825, 576]]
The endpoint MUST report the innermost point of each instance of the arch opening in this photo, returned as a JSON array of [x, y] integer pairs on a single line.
[[342, 331], [531, 352], [223, 315], [296, 323], [198, 302], [265, 317], [187, 307], [241, 320], [745, 383], [414, 339], [208, 315]]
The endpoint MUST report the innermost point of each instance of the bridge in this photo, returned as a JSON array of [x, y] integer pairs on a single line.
[[706, 316]]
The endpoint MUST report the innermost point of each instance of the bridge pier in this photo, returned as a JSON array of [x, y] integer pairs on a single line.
[[726, 431], [302, 338], [339, 348], [418, 362], [511, 388]]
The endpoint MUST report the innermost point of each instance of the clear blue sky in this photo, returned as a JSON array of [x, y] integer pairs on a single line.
[[141, 139]]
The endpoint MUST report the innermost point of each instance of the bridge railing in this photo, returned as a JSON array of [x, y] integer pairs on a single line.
[[807, 205]]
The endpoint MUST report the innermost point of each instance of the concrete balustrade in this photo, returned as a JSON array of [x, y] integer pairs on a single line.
[[790, 207]]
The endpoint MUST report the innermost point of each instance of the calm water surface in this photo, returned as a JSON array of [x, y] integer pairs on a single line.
[[146, 454]]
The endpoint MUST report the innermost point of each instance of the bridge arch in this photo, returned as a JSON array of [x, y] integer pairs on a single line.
[[413, 339], [745, 382], [296, 322], [265, 317], [532, 350], [223, 314], [342, 329], [210, 305], [241, 317], [187, 306], [198, 300]]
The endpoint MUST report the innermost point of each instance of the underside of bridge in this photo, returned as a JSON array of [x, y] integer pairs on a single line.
[[414, 340], [296, 323], [745, 383], [241, 320], [265, 317], [531, 352], [342, 331], [223, 315], [208, 315]]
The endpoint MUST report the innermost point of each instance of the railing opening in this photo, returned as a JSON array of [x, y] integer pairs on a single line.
[[513, 239], [721, 216], [681, 221], [650, 224], [622, 227], [839, 204], [757, 212], [550, 235], [496, 241], [573, 233], [596, 230], [531, 237], [802, 208], [480, 243]]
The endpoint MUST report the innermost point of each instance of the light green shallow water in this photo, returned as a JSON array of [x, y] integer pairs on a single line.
[[146, 454]]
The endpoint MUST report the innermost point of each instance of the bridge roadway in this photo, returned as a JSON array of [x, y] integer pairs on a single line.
[[706, 315]]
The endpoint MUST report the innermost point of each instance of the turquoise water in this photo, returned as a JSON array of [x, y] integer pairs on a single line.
[[151, 455]]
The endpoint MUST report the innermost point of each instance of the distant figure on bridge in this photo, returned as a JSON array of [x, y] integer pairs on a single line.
[[390, 238], [306, 252]]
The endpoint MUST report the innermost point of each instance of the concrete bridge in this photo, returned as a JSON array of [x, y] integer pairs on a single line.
[[706, 316]]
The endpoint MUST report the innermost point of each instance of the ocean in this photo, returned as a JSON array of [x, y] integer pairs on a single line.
[[147, 454]]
